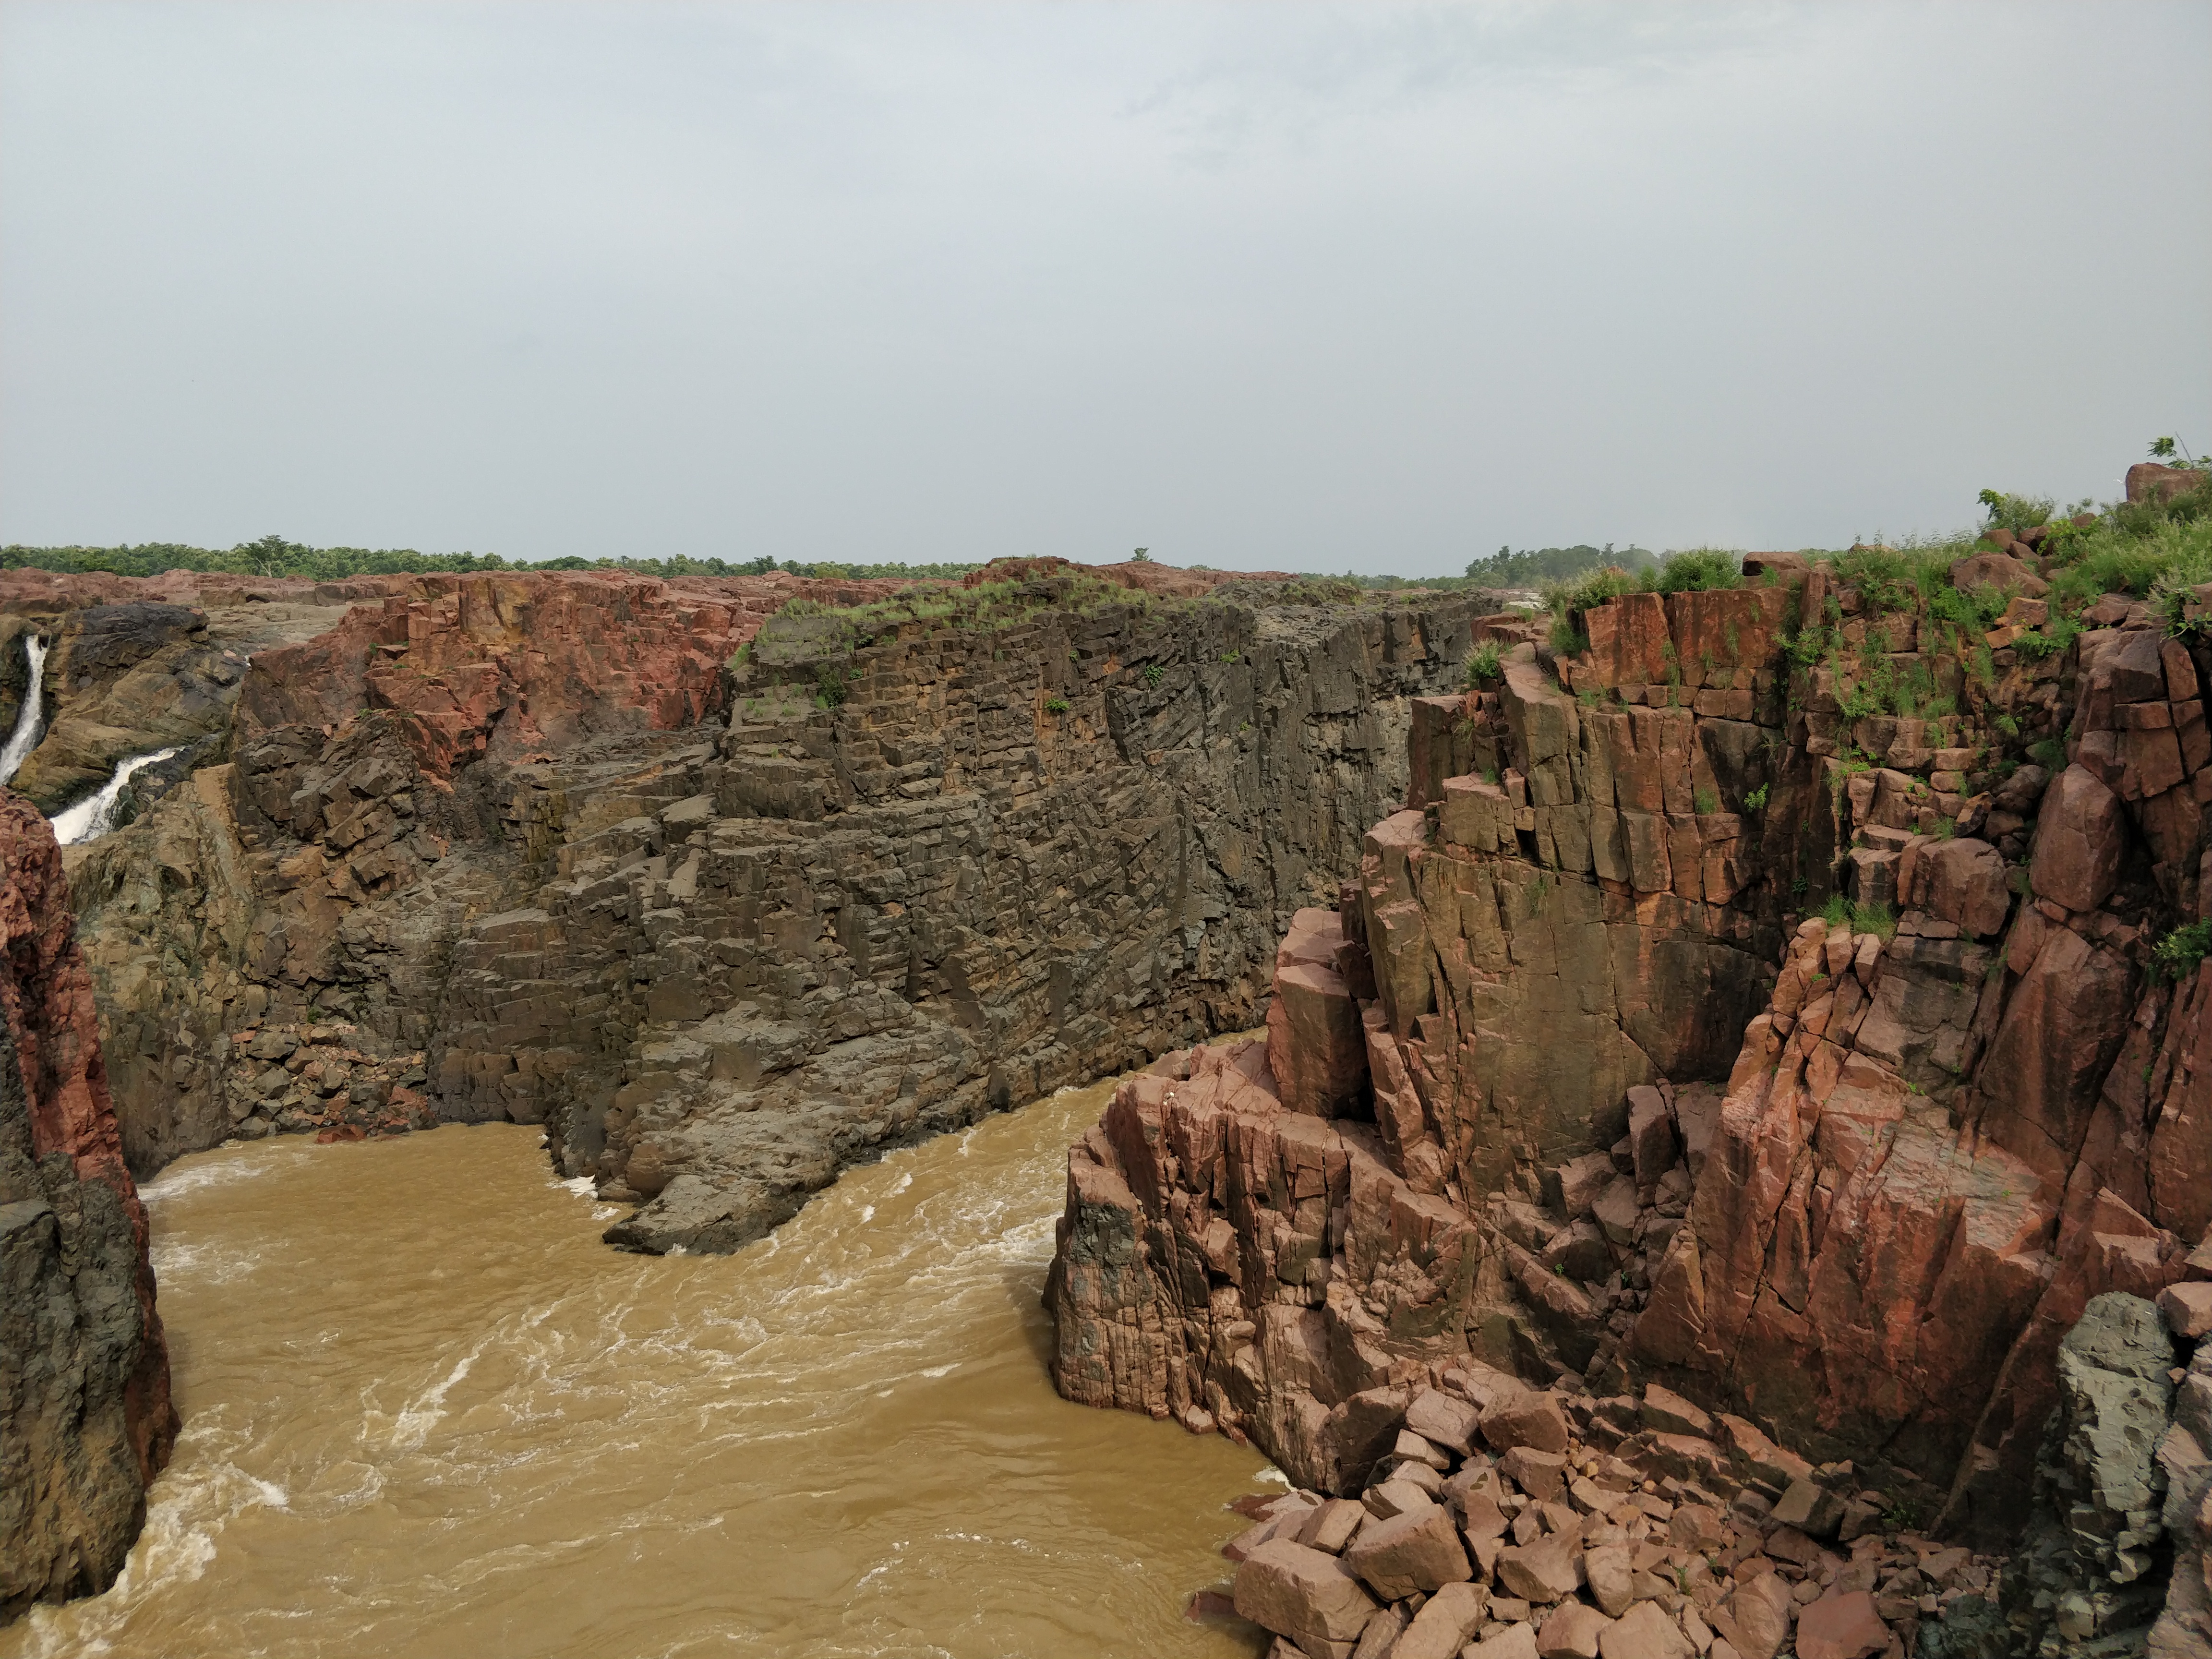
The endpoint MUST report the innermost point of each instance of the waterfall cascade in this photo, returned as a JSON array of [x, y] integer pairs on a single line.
[[95, 816], [31, 724]]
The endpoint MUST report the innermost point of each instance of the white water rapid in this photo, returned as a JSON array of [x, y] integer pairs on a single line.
[[95, 815], [31, 724]]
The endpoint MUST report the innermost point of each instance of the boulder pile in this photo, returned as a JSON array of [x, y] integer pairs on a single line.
[[1501, 1522], [304, 1079]]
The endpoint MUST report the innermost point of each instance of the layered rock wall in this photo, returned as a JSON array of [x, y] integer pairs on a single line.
[[524, 848], [1003, 859], [316, 881], [85, 1418]]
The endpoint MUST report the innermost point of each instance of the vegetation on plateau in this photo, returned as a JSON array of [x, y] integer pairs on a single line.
[[273, 555], [1535, 567], [815, 628], [2159, 551]]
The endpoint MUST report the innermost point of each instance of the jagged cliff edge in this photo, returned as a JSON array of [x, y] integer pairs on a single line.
[[1561, 1088]]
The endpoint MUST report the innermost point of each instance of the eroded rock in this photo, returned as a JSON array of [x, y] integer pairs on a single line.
[[84, 1367]]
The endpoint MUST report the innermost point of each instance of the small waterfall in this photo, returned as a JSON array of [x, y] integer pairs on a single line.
[[95, 815], [31, 723]]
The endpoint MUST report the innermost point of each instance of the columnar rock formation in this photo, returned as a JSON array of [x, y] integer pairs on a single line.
[[1562, 1085], [85, 1419], [524, 848]]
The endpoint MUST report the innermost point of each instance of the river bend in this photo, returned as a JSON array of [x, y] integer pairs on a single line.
[[427, 1413]]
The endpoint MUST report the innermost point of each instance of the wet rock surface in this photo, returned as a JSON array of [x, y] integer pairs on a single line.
[[84, 1371]]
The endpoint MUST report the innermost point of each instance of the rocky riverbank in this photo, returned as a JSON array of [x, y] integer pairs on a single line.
[[84, 1370], [1784, 993], [1503, 1523]]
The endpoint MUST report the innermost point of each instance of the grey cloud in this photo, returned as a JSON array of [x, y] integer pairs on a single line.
[[1362, 286]]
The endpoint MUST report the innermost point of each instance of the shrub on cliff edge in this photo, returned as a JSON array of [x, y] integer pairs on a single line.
[[1699, 569]]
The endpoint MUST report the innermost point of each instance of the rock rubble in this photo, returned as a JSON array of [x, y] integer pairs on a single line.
[[1561, 1525]]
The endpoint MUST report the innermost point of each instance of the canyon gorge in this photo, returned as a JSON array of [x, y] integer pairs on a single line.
[[1680, 1125]]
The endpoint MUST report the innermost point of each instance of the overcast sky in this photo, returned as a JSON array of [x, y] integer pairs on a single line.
[[1363, 286]]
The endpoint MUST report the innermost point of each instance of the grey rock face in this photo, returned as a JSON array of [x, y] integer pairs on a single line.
[[70, 1502], [2183, 1630], [928, 869], [2092, 1573], [1003, 863]]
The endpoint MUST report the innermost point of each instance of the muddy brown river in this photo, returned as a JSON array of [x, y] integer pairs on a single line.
[[427, 1413]]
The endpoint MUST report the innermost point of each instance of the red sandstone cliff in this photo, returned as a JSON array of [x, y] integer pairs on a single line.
[[510, 664], [1564, 1085], [83, 1367]]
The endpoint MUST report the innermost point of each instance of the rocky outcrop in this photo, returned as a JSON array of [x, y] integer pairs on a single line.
[[1626, 1119], [504, 667], [315, 884], [2183, 1627], [2094, 1567], [1557, 925], [84, 1372], [936, 866], [136, 665]]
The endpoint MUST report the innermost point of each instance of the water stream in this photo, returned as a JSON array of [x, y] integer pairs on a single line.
[[427, 1413], [31, 719], [95, 816]]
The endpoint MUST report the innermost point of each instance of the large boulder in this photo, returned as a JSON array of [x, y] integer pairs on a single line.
[[1547, 1571], [1312, 1598], [1316, 1047], [1965, 883], [2079, 841], [1441, 1628], [1998, 570], [1415, 1553], [1526, 1418], [2147, 481], [1645, 1632], [1842, 1625]]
